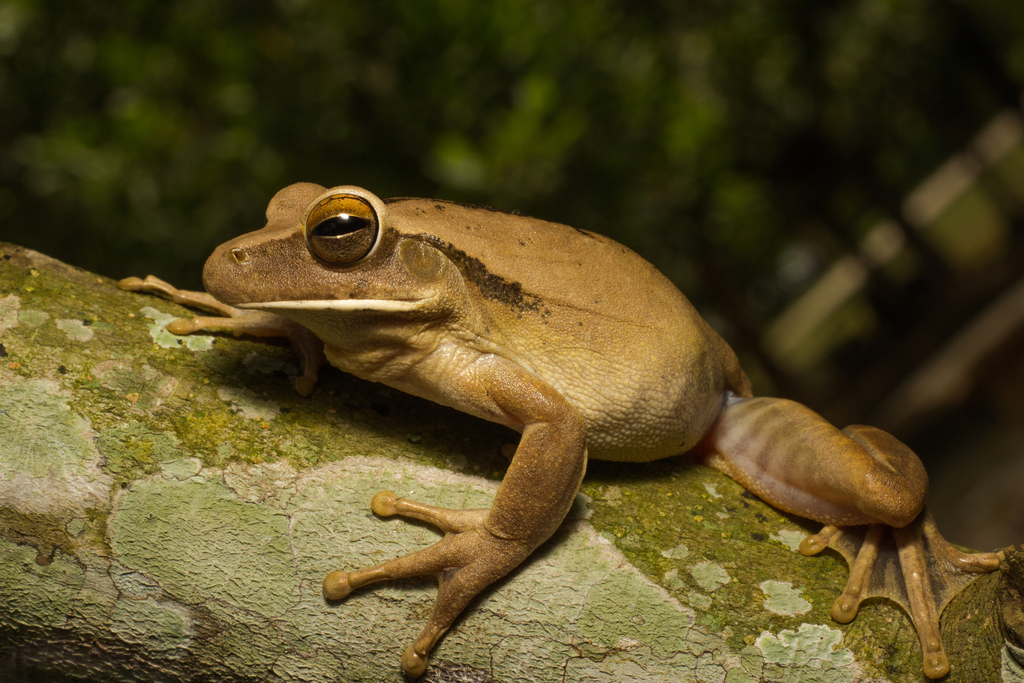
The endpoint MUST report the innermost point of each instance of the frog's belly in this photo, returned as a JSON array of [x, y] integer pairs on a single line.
[[644, 407]]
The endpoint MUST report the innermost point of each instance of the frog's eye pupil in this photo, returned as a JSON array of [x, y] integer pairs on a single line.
[[342, 224]]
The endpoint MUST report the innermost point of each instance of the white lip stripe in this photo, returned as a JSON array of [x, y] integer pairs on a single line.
[[338, 305]]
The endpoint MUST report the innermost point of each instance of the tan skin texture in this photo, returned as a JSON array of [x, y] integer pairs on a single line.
[[583, 347]]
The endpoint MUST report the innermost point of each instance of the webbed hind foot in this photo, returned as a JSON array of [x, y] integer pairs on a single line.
[[914, 566]]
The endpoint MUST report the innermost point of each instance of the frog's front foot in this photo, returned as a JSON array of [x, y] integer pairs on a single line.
[[914, 567], [468, 559], [307, 346]]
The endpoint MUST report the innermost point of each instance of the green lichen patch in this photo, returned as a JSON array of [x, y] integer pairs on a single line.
[[712, 490], [790, 538], [709, 575], [1012, 670], [48, 462], [699, 601], [75, 330], [43, 437], [33, 318], [9, 307], [245, 403], [677, 552], [644, 616], [35, 595], [198, 541], [142, 386], [813, 645], [181, 469], [672, 579], [132, 584], [167, 340], [131, 450], [156, 627], [782, 598]]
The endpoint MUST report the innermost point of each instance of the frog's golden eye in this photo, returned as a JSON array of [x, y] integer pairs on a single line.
[[341, 229]]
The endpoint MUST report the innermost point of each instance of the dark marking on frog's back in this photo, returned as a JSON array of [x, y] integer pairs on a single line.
[[492, 286], [586, 233]]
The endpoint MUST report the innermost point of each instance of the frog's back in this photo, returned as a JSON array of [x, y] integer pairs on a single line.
[[593, 319]]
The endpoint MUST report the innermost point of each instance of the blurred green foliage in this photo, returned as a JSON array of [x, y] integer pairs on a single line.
[[710, 135]]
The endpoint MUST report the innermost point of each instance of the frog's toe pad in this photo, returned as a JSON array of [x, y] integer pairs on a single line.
[[414, 663], [183, 326], [131, 284], [814, 544], [845, 608], [385, 504], [337, 586], [936, 665]]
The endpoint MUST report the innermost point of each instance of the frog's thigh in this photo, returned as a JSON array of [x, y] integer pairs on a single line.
[[794, 459]]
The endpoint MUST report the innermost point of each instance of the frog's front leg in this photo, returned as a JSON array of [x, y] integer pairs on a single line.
[[792, 458], [481, 546], [307, 346]]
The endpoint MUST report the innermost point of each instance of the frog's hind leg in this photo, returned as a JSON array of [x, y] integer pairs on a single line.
[[860, 482], [308, 348]]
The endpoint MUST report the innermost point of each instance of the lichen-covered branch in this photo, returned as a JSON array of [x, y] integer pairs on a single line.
[[169, 506]]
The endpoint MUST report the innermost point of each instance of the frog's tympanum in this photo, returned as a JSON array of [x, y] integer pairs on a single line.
[[582, 346]]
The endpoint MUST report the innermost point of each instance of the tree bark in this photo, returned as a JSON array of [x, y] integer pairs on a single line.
[[169, 506]]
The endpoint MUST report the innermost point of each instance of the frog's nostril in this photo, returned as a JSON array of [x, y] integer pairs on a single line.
[[239, 255]]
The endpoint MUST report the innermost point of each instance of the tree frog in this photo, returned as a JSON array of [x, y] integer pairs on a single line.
[[586, 349]]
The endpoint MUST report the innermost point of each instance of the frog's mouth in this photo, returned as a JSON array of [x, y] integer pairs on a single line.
[[384, 305]]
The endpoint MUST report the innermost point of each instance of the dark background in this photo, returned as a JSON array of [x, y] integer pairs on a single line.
[[838, 186]]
